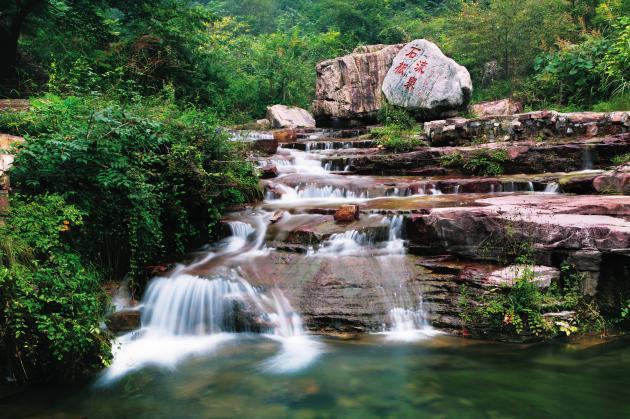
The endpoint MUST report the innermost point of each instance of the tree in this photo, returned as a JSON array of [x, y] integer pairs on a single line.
[[12, 19]]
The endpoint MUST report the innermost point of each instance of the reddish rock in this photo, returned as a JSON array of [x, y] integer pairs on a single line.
[[6, 141], [347, 213], [615, 181], [585, 117], [269, 171], [277, 216], [497, 107], [266, 146], [285, 136]]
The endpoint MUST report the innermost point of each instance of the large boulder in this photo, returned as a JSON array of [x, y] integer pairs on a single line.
[[348, 88], [282, 116], [424, 80]]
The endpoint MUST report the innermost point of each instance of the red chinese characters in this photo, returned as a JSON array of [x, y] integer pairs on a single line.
[[421, 66], [414, 52], [401, 68], [411, 82]]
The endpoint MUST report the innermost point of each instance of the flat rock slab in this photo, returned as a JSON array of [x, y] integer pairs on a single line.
[[422, 78], [569, 223], [282, 116]]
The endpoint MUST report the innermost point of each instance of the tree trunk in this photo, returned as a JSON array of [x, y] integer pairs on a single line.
[[10, 36], [8, 53]]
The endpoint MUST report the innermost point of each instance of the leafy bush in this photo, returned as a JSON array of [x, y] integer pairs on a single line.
[[396, 139], [621, 159], [151, 180], [585, 73], [481, 162], [51, 304], [395, 116]]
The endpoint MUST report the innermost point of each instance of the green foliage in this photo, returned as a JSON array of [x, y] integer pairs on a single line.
[[621, 159], [396, 139], [481, 162], [585, 73], [395, 116], [51, 304], [151, 180]]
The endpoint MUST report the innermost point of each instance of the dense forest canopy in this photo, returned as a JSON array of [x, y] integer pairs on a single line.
[[237, 57]]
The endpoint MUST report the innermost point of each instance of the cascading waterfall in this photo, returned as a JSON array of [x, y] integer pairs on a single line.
[[552, 188], [184, 314]]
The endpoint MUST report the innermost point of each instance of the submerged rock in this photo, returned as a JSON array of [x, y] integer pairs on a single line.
[[348, 88], [424, 80], [281, 116]]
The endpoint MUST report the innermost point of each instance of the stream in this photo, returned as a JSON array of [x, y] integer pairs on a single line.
[[226, 335]]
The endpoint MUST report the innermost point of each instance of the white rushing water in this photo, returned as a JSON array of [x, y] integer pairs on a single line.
[[185, 315]]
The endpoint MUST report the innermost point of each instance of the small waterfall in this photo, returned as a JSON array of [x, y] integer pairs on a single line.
[[552, 188], [241, 230], [457, 188], [190, 305], [587, 159], [185, 314], [348, 243], [530, 186], [408, 325]]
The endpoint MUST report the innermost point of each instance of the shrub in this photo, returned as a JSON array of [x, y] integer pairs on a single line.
[[396, 139], [51, 304], [395, 116], [621, 159], [151, 180], [480, 162]]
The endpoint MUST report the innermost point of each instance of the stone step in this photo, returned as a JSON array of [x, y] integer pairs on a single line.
[[523, 157], [327, 145]]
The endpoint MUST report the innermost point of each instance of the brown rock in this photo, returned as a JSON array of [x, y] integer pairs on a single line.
[[497, 107], [585, 117], [14, 105], [6, 141], [347, 213], [266, 146], [615, 181], [269, 171], [349, 87], [124, 321], [285, 136]]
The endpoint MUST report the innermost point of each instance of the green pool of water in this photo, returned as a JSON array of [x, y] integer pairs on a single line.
[[369, 378]]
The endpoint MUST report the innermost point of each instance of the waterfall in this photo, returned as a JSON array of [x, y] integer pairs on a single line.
[[241, 230], [186, 314], [552, 188], [587, 159], [189, 305]]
